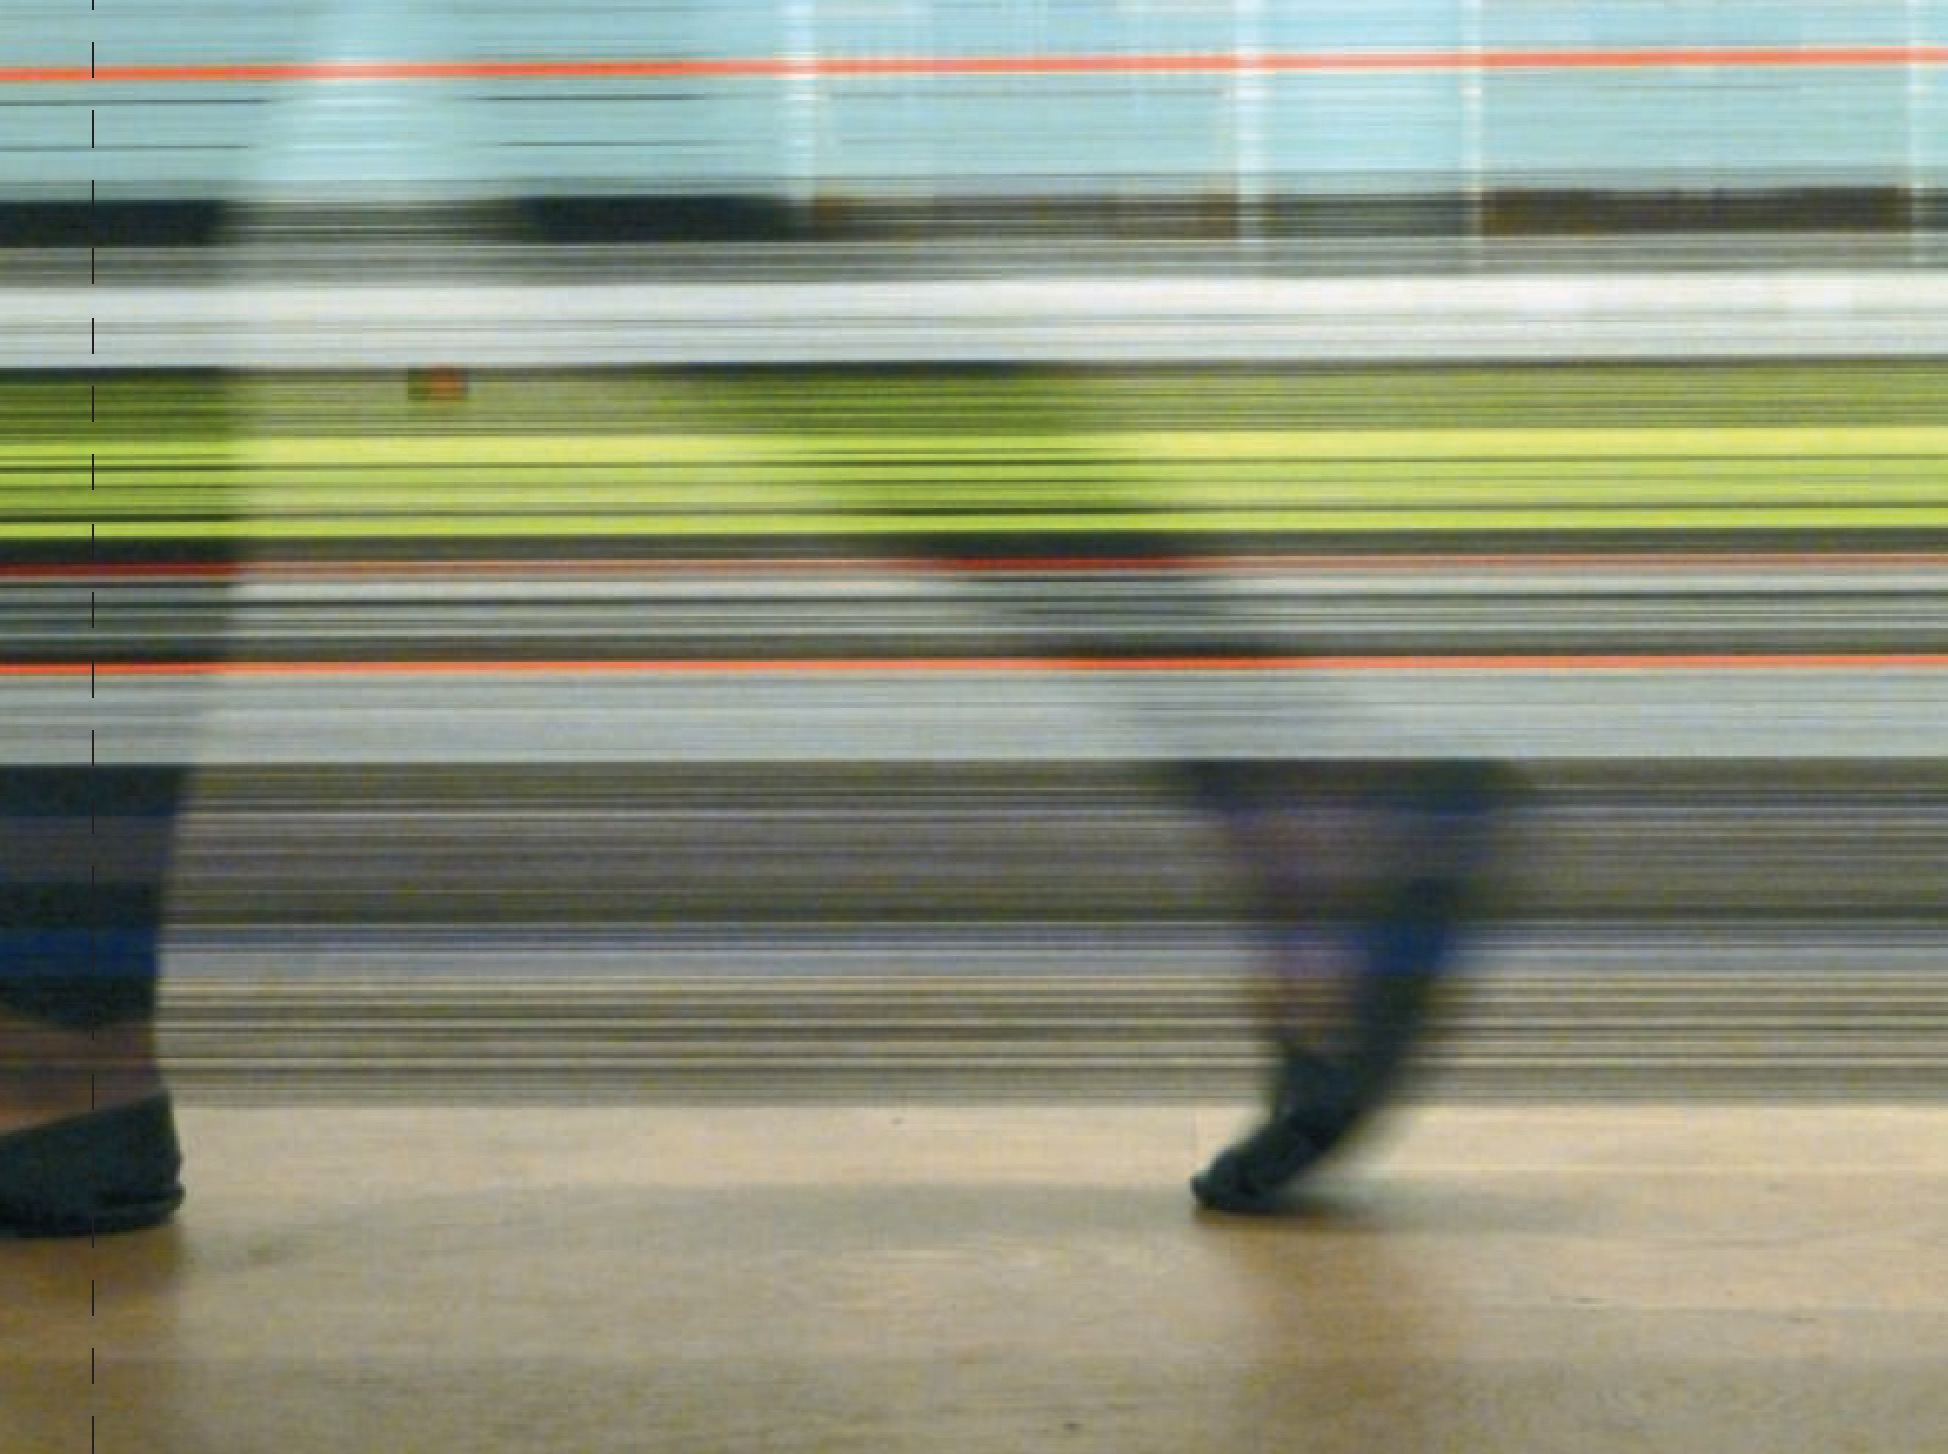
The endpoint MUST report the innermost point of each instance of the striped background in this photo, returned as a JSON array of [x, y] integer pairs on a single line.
[[425, 889]]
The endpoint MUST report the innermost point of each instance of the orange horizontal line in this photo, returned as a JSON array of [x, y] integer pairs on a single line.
[[900, 666], [762, 67]]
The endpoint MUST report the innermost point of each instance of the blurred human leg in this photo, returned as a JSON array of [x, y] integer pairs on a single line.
[[87, 1137], [1362, 875], [1381, 908], [94, 573], [83, 856]]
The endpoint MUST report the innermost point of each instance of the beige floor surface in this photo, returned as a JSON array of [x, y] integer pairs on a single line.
[[886, 1279]]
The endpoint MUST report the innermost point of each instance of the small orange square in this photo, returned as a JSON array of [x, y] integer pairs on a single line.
[[439, 385]]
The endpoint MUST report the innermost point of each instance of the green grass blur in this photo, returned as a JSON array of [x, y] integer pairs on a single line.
[[1815, 449]]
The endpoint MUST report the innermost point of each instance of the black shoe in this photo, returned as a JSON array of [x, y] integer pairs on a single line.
[[108, 1171]]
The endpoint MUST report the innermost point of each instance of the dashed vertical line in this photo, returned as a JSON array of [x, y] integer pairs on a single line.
[[94, 861]]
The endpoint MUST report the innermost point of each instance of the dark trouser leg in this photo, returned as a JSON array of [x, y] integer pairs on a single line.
[[1361, 875], [1404, 916], [1374, 923], [1370, 988], [84, 852]]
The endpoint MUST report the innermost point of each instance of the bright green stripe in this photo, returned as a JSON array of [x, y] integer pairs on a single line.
[[828, 449], [1844, 484], [1544, 444], [1851, 477], [1282, 521]]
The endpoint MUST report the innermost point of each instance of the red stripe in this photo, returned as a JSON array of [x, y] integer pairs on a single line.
[[854, 666], [767, 67]]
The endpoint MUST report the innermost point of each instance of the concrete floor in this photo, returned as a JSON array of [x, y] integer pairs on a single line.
[[942, 1279]]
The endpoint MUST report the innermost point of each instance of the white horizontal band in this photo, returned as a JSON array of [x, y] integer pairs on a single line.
[[1812, 313]]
